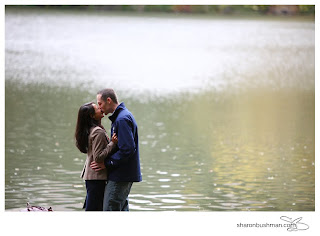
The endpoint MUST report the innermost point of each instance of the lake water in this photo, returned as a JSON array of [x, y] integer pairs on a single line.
[[225, 107]]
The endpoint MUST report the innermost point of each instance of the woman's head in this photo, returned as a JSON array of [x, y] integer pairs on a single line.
[[89, 115]]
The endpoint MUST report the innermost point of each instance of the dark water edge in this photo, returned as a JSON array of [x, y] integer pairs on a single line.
[[31, 9]]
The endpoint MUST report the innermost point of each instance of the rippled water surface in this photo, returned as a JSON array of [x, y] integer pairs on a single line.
[[225, 108]]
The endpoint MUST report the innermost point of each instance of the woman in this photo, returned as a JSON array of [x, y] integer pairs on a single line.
[[91, 138]]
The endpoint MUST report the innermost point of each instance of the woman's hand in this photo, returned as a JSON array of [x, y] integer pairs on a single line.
[[114, 138], [97, 166]]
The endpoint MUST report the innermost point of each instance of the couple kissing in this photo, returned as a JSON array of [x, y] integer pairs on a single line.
[[113, 165]]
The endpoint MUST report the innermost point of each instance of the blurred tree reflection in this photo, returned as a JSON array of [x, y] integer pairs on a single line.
[[198, 9]]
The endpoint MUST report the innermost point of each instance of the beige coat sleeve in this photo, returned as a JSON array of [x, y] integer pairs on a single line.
[[99, 148]]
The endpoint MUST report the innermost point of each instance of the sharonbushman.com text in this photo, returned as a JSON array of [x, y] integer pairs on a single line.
[[266, 225], [294, 224]]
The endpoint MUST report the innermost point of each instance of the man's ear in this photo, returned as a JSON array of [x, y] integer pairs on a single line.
[[109, 100]]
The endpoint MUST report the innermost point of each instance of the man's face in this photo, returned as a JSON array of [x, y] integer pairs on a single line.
[[103, 105]]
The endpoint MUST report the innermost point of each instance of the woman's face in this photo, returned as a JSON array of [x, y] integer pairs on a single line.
[[98, 114]]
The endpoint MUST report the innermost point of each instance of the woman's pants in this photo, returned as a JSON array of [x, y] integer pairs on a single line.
[[95, 193]]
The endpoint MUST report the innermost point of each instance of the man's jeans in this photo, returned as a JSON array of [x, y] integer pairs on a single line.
[[116, 196]]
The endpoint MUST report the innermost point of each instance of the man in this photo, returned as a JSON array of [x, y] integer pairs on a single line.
[[124, 165]]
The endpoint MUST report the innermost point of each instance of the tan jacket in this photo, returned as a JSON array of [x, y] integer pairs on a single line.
[[98, 149]]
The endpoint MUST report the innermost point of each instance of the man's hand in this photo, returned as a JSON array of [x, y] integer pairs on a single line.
[[97, 166]]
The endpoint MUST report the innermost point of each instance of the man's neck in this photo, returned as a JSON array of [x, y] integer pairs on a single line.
[[114, 107]]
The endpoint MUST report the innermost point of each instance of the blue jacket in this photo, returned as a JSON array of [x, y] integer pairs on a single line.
[[124, 164]]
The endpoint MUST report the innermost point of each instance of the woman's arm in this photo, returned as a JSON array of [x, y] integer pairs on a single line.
[[99, 150]]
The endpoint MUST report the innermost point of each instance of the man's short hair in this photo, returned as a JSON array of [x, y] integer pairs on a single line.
[[108, 93]]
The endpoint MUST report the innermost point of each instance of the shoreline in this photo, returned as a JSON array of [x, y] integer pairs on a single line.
[[166, 15]]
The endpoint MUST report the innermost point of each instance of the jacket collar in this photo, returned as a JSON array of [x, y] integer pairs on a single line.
[[116, 112]]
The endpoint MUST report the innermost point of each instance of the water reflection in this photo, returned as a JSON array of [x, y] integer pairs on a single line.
[[226, 123], [172, 55]]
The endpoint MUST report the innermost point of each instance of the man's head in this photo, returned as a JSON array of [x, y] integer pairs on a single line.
[[107, 100]]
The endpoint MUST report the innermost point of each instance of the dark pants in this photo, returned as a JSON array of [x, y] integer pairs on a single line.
[[116, 196], [95, 192]]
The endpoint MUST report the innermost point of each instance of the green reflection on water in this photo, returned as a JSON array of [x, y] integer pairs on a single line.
[[250, 150]]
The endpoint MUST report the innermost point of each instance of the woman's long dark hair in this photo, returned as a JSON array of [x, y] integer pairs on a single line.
[[84, 123]]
